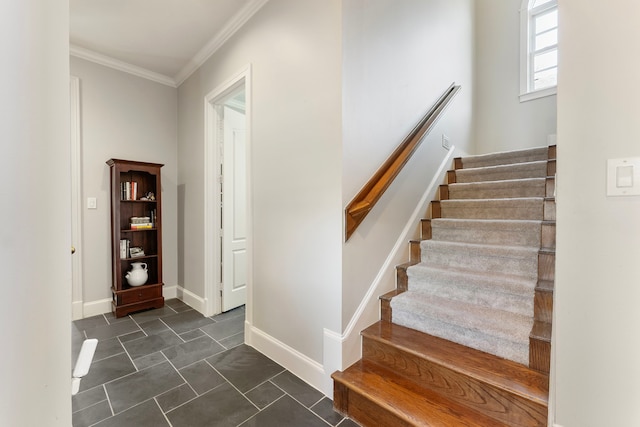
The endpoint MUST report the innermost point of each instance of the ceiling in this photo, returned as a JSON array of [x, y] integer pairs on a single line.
[[164, 40]]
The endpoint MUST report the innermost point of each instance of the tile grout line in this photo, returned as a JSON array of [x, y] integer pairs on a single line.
[[296, 400], [162, 412]]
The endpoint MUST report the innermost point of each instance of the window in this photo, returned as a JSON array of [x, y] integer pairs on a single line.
[[539, 48]]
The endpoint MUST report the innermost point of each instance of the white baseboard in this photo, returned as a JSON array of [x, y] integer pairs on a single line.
[[170, 292], [77, 310], [191, 299], [94, 308], [332, 359], [81, 310], [300, 365]]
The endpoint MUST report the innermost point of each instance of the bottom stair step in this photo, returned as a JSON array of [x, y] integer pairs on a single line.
[[375, 396], [402, 368]]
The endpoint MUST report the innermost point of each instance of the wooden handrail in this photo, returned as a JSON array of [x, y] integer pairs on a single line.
[[366, 199]]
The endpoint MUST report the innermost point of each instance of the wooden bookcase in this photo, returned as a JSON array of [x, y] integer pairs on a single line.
[[125, 206]]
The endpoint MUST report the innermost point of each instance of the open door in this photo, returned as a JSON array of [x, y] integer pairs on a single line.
[[233, 204]]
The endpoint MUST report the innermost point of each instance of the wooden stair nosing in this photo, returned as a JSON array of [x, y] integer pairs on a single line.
[[378, 397], [487, 368]]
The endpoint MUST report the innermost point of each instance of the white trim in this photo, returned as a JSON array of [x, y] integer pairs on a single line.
[[77, 310], [221, 37], [331, 358], [233, 25], [169, 292], [300, 365], [541, 93], [94, 308], [76, 197], [191, 299], [525, 69], [211, 209], [368, 311], [116, 64]]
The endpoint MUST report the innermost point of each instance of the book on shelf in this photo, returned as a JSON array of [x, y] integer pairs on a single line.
[[129, 190], [140, 223], [141, 226], [124, 248]]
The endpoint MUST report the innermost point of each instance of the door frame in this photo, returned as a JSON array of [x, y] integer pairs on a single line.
[[212, 253], [77, 300]]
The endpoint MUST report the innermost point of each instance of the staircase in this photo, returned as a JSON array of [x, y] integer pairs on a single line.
[[465, 338]]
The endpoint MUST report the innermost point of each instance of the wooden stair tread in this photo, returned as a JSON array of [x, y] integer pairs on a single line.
[[501, 373], [414, 405]]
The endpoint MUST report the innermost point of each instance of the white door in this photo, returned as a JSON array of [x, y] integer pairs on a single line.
[[234, 222]]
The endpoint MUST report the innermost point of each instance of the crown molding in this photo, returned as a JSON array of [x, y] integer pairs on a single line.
[[108, 61], [234, 24], [219, 39]]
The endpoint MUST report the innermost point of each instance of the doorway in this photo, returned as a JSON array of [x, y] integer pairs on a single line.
[[77, 303], [227, 213]]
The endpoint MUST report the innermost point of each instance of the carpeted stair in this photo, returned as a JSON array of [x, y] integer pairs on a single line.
[[464, 340], [489, 231]]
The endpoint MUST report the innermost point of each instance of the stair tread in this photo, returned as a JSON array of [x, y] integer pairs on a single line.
[[415, 405], [539, 153], [501, 373]]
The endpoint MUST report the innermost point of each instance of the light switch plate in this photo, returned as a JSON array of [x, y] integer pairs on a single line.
[[623, 177], [92, 203]]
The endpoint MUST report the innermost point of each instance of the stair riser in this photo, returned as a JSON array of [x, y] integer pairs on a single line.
[[547, 266], [519, 304], [548, 237], [537, 170], [550, 187], [507, 340], [485, 398], [425, 229], [540, 355], [401, 278], [543, 306], [505, 211], [527, 266], [495, 191], [549, 210], [364, 411], [422, 275], [523, 156], [477, 234], [414, 251]]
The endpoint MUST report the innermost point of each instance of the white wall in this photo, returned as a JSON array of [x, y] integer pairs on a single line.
[[502, 122], [124, 117], [35, 237], [597, 269], [398, 58], [293, 47]]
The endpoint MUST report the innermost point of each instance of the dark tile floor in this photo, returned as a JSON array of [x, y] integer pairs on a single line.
[[174, 367]]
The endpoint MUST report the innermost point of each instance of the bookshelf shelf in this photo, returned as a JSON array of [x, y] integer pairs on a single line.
[[130, 181]]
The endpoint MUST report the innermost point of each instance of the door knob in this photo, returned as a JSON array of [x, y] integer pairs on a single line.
[[73, 250]]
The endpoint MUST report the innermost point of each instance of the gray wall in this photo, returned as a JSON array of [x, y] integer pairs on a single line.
[[293, 47], [35, 236], [125, 117], [398, 58], [597, 269], [502, 122]]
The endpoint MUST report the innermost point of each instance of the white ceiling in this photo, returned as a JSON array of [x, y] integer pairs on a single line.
[[164, 40]]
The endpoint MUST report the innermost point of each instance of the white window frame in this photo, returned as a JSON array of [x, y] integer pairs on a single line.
[[526, 88]]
